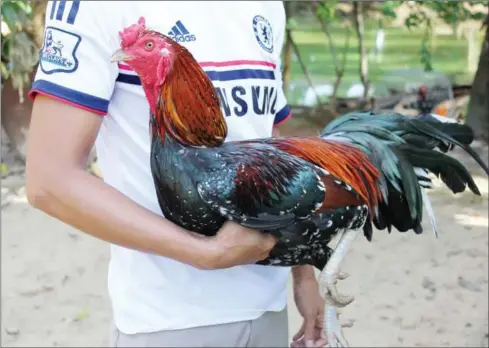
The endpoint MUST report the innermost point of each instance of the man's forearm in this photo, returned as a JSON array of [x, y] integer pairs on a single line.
[[87, 203], [303, 272]]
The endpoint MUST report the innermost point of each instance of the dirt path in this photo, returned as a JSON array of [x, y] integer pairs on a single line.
[[410, 290]]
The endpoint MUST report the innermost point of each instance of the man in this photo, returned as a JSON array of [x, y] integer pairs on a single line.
[[168, 286]]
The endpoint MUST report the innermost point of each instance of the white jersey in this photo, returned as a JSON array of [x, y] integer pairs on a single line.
[[238, 44]]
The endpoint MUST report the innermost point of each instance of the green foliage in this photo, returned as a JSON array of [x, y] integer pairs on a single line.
[[388, 9], [291, 23], [19, 52], [330, 12], [15, 14], [425, 51], [400, 55], [404, 49], [415, 20], [326, 10], [420, 16], [450, 12]]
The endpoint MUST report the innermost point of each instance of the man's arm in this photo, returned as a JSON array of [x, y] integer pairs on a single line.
[[60, 139], [69, 100]]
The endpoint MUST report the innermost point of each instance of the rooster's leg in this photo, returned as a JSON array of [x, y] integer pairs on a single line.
[[331, 272], [333, 300]]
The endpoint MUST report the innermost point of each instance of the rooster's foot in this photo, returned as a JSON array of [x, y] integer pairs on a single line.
[[334, 333], [327, 286], [331, 294]]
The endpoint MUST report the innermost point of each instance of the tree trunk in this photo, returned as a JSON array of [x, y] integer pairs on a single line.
[[38, 16], [303, 66], [360, 29], [340, 72], [287, 51], [16, 116], [478, 111], [326, 31], [339, 67]]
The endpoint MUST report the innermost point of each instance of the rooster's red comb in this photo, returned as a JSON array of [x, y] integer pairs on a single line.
[[130, 34]]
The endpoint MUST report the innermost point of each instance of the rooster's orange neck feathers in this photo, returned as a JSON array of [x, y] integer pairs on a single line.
[[188, 107]]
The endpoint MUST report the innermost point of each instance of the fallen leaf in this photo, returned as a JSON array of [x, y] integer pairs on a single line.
[[82, 315]]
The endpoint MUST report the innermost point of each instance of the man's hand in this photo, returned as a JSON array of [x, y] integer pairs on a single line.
[[236, 245], [311, 307]]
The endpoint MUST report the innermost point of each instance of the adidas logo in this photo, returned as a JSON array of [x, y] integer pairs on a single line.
[[180, 34]]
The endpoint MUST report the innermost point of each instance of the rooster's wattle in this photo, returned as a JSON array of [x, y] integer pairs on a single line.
[[364, 169]]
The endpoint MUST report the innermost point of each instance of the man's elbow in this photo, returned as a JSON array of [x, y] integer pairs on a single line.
[[37, 190], [41, 184]]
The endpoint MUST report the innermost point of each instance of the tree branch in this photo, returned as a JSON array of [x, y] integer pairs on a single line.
[[303, 66], [325, 29], [360, 29], [287, 50]]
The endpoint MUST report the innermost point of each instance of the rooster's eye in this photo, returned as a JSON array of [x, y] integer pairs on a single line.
[[148, 45]]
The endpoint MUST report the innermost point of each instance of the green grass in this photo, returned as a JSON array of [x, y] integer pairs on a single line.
[[401, 51]]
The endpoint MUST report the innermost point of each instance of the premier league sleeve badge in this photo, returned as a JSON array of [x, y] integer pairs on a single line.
[[58, 53]]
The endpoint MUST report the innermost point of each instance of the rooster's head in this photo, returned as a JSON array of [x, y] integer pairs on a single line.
[[190, 111], [146, 52]]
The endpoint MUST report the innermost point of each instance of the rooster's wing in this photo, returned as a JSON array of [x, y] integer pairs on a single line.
[[261, 187]]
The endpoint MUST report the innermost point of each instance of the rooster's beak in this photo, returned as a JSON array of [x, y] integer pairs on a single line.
[[120, 56]]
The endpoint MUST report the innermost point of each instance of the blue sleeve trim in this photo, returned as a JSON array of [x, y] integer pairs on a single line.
[[73, 12], [53, 9], [58, 8], [61, 10], [282, 115], [87, 101]]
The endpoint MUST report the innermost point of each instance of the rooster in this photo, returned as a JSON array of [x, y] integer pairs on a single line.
[[361, 171]]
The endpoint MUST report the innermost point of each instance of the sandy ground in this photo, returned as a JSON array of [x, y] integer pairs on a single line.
[[410, 290]]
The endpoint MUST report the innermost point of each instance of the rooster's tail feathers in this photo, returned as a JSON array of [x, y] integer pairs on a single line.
[[429, 210], [404, 149], [428, 134]]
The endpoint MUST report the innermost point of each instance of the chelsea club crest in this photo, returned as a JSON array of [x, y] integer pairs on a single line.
[[58, 51], [263, 33]]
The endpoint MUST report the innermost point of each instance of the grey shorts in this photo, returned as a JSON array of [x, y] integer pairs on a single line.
[[270, 330]]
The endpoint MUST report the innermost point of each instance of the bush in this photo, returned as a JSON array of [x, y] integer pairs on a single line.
[[20, 53]]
